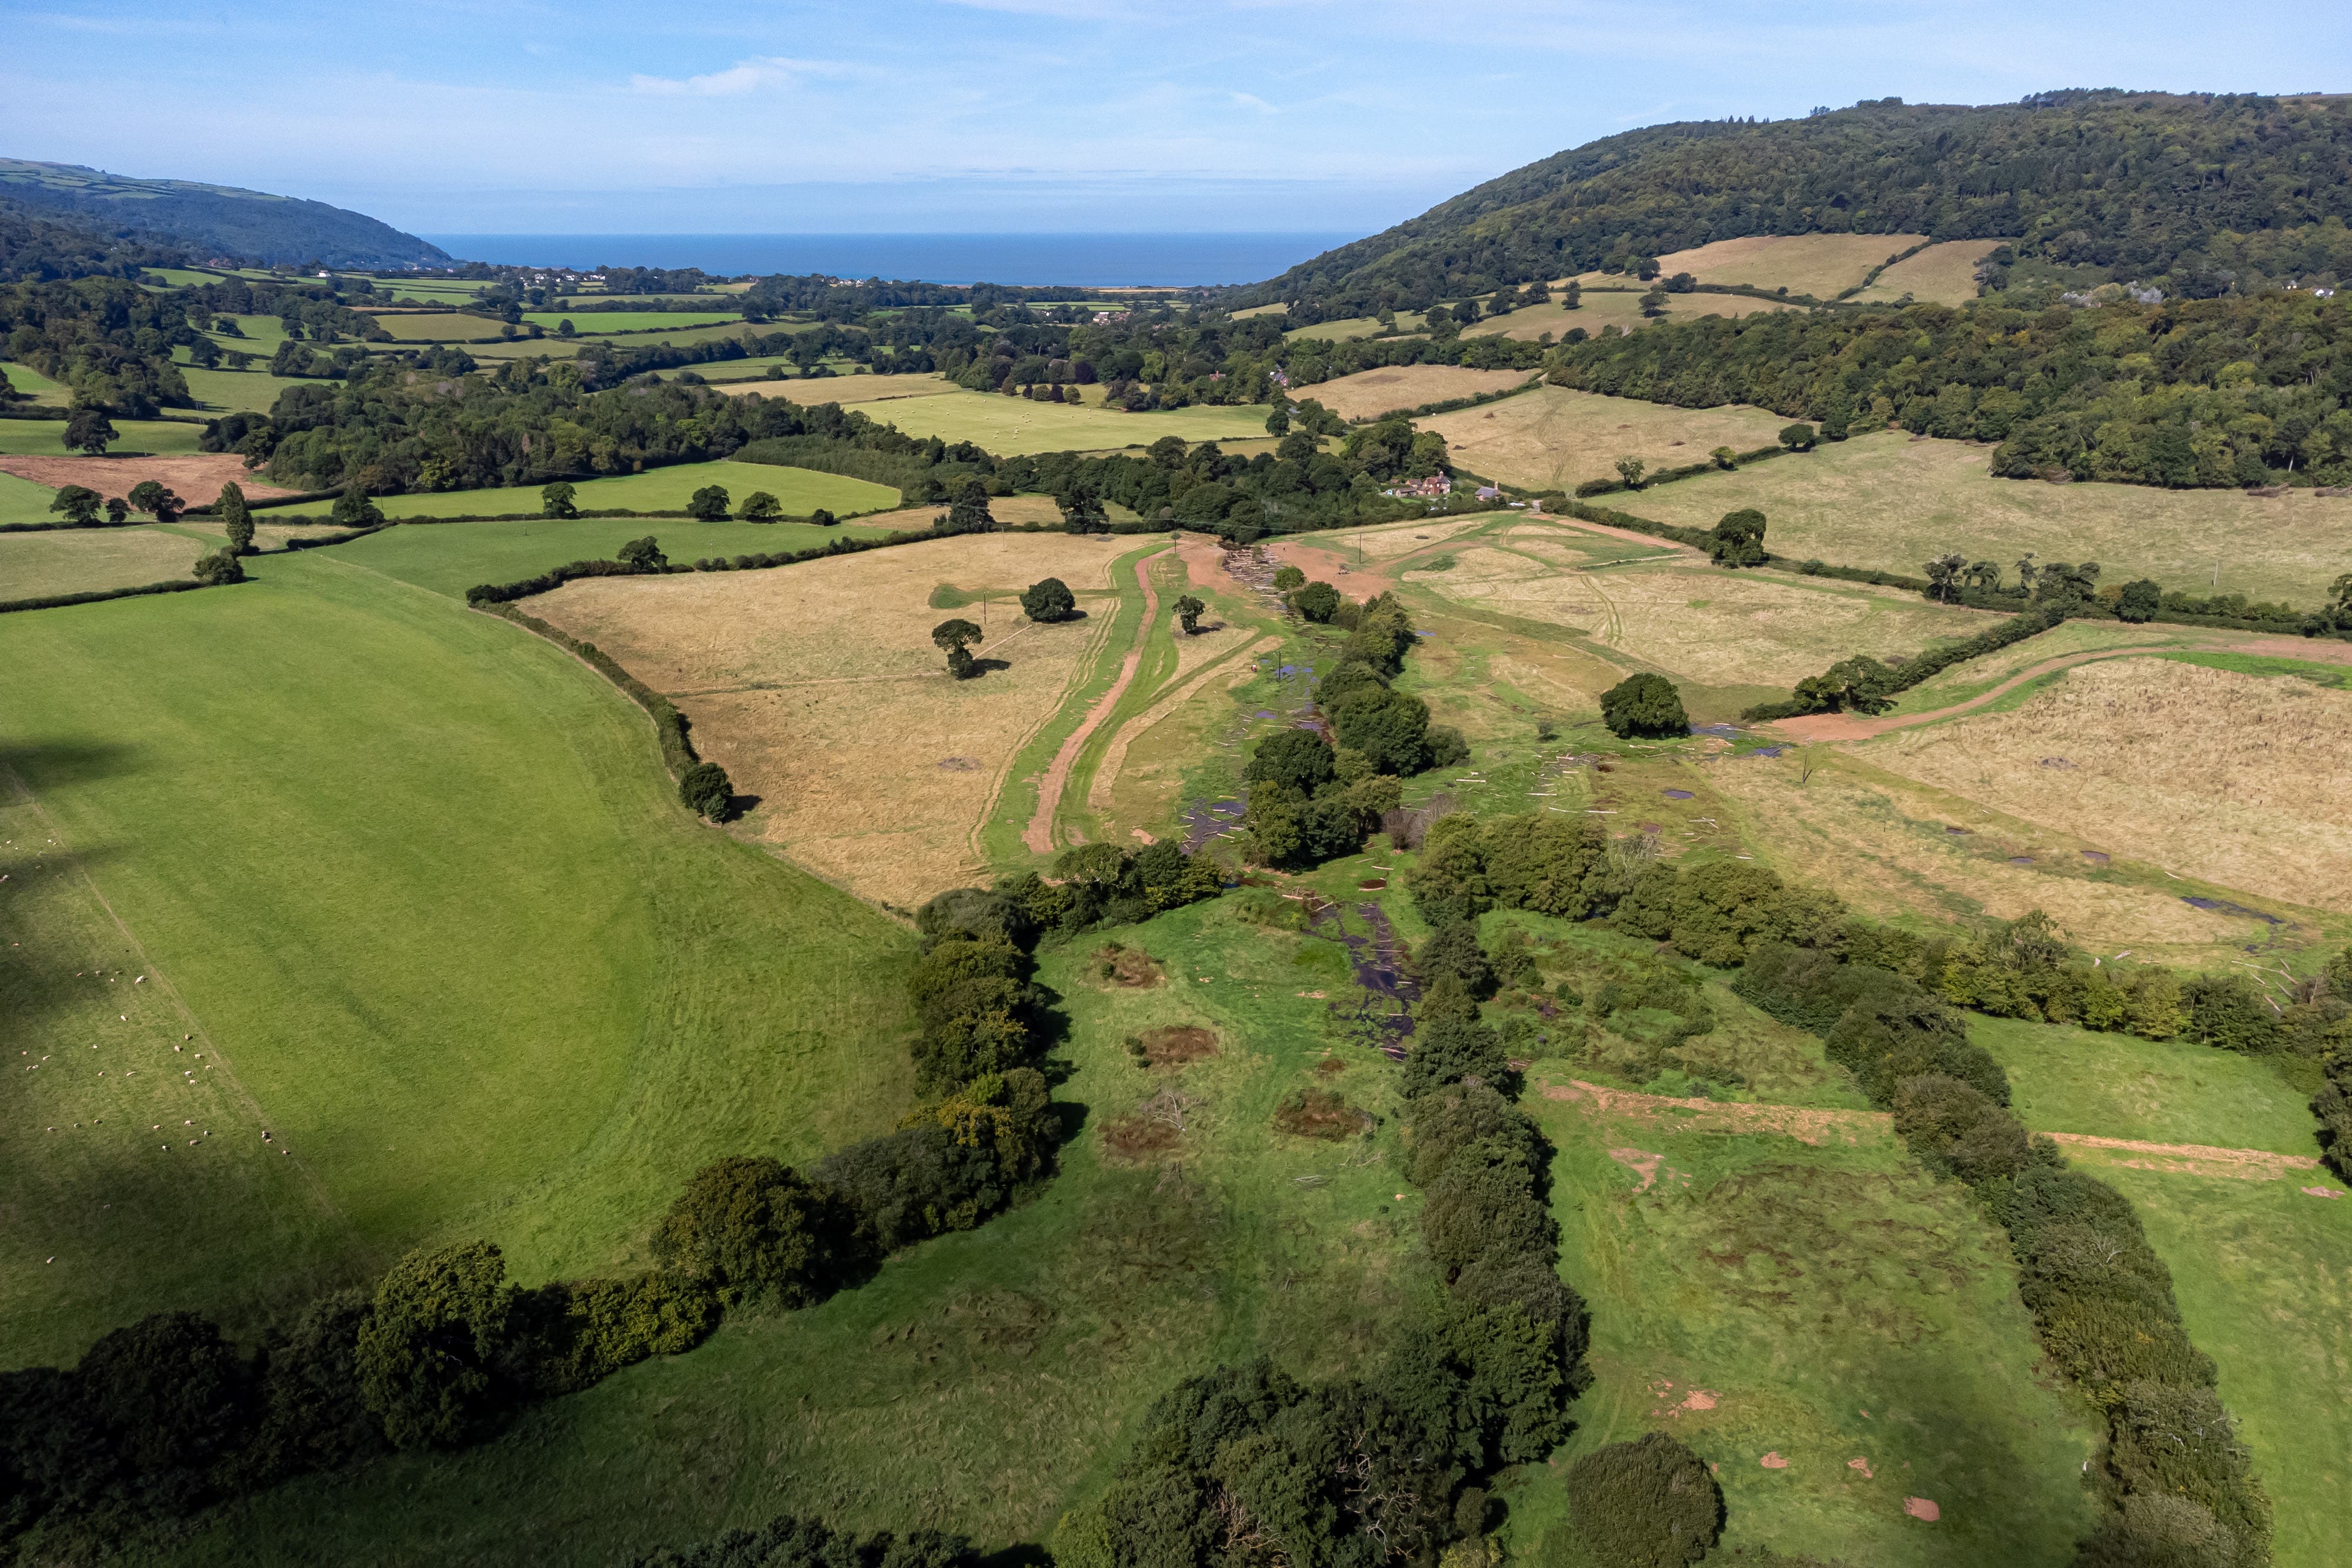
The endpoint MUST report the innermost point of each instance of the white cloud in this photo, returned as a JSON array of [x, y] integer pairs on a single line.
[[761, 73]]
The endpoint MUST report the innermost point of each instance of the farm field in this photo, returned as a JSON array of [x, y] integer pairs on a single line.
[[450, 557], [46, 437], [589, 323], [1008, 1366], [436, 327], [1368, 393], [1012, 426], [1557, 438], [22, 501], [667, 489], [1943, 274], [1612, 307], [2255, 805], [818, 689], [195, 477], [527, 1017], [85, 561], [1887, 502], [225, 390], [817, 390], [30, 382], [1823, 266]]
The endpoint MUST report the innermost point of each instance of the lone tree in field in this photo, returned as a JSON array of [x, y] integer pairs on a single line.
[[823, 519], [759, 507], [707, 504], [1630, 469], [1049, 601], [955, 639], [644, 554], [237, 519], [77, 503], [1738, 539], [1645, 1504], [1797, 437], [1189, 610], [558, 500], [88, 430], [705, 790], [1644, 704]]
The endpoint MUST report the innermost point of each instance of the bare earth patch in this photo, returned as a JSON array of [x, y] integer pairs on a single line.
[[196, 479], [1172, 1045], [1129, 966], [2236, 778], [817, 688]]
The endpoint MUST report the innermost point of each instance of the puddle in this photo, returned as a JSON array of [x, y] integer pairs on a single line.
[[2223, 906], [1204, 820], [2020, 860], [1724, 730], [1678, 794], [1377, 958], [2097, 857]]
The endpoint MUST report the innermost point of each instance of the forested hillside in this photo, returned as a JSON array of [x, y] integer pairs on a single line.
[[2184, 191], [217, 220]]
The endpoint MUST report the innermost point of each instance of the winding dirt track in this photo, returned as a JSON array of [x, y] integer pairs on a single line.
[[1039, 834], [1855, 726]]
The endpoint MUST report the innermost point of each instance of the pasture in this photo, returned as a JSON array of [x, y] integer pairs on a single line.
[[86, 561], [1821, 265], [1944, 274], [450, 557], [819, 690], [2101, 755], [1014, 427], [1612, 307], [46, 437], [23, 501], [1370, 394], [667, 489], [195, 477], [589, 323], [223, 390], [1005, 1369], [31, 383], [810, 391], [1557, 438], [437, 326], [432, 902], [1888, 502]]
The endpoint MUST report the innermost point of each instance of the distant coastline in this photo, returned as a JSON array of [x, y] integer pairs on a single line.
[[1089, 260]]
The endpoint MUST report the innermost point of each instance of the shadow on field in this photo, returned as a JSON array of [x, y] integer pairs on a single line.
[[50, 764]]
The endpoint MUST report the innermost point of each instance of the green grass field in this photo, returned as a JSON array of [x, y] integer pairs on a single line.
[[1887, 502], [1011, 426], [25, 379], [451, 557], [984, 1382], [46, 437], [85, 561], [2070, 1080], [1833, 1303], [799, 491], [417, 879], [591, 322], [22, 501], [253, 390]]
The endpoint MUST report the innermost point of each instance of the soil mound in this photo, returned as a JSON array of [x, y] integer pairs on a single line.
[[1320, 1113], [1172, 1045]]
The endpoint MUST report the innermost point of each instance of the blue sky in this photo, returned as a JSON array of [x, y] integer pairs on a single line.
[[1014, 115]]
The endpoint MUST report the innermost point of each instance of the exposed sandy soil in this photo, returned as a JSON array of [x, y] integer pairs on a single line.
[[197, 478]]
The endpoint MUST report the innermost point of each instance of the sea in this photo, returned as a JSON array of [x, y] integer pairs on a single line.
[[1029, 260]]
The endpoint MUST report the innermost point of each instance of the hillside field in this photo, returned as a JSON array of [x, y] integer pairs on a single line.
[[84, 560], [1943, 274], [1369, 393], [1887, 502], [1821, 265], [1011, 426], [800, 491], [1557, 438]]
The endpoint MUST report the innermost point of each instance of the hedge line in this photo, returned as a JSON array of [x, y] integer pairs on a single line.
[[1686, 471], [1833, 689], [669, 725], [2102, 1301], [57, 600], [1449, 406]]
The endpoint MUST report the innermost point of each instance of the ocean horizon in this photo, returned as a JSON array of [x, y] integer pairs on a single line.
[[1029, 260]]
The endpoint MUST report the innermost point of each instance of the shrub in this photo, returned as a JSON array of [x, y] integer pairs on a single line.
[[1450, 1049], [1644, 704], [645, 555], [1445, 1121], [426, 1354], [1797, 437], [1295, 759], [760, 506], [1315, 601], [705, 789], [708, 504], [1738, 539], [752, 1228], [1049, 601], [558, 500], [789, 1542], [1649, 1503], [1390, 728], [219, 567], [1289, 577]]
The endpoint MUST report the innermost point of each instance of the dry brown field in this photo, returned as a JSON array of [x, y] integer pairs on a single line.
[[1942, 274], [1370, 392], [1557, 438], [1716, 627], [817, 688], [1003, 508], [845, 389], [90, 561], [1614, 306], [1819, 265], [1888, 502], [196, 477], [2236, 778]]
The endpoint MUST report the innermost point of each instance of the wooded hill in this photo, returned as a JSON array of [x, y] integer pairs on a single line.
[[2182, 192], [210, 220]]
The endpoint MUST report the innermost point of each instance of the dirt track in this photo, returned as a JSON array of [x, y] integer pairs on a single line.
[[197, 478], [1833, 726], [1039, 834]]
